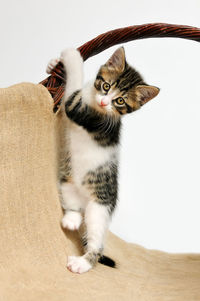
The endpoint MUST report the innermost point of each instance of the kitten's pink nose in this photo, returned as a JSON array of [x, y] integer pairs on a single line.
[[104, 102]]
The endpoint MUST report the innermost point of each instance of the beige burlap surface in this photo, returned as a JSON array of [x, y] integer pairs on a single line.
[[33, 246]]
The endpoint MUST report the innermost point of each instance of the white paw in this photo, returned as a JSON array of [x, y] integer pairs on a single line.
[[70, 55], [78, 264], [72, 220], [51, 65]]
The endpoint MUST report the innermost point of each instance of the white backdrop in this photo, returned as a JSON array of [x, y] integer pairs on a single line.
[[159, 200]]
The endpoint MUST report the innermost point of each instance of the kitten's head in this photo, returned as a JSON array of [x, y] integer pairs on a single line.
[[119, 88]]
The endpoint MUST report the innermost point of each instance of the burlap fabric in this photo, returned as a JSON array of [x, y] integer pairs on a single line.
[[34, 248]]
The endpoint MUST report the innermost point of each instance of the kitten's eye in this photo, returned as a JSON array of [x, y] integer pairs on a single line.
[[106, 87], [120, 101]]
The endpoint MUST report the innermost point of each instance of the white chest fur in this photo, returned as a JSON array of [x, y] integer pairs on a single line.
[[86, 154]]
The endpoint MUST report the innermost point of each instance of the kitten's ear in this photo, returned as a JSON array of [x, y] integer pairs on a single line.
[[146, 93], [117, 60]]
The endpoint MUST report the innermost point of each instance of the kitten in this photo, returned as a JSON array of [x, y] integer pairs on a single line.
[[89, 169]]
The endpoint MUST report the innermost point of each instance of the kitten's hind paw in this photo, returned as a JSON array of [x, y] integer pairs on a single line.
[[78, 264], [51, 65], [72, 220]]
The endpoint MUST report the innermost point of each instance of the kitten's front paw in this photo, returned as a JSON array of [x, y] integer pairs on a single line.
[[72, 220], [78, 264], [51, 65], [70, 55]]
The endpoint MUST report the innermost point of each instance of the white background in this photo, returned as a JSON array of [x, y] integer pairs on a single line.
[[159, 196]]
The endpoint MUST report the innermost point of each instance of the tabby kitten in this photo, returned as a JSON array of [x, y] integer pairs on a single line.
[[89, 169]]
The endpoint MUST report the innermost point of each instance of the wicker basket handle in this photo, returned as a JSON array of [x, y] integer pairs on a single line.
[[56, 82]]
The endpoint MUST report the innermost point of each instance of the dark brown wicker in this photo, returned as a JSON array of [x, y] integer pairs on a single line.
[[56, 82]]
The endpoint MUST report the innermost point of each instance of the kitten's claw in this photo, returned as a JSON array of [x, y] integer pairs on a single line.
[[72, 220], [51, 65], [78, 264]]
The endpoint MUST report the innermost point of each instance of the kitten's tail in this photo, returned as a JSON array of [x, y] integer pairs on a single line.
[[107, 261]]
